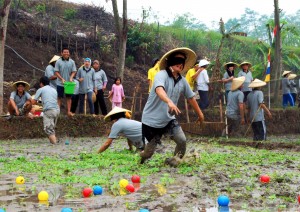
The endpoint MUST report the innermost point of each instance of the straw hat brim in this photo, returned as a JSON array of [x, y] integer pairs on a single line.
[[116, 110], [246, 63], [292, 76], [54, 59], [189, 62], [237, 82], [257, 83], [27, 86], [231, 63], [286, 72]]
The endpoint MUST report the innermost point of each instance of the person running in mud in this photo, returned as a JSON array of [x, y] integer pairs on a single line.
[[245, 66], [235, 111], [130, 128], [256, 109], [50, 107], [158, 116], [19, 103], [65, 70]]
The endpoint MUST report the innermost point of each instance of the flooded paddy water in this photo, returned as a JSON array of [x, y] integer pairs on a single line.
[[211, 167]]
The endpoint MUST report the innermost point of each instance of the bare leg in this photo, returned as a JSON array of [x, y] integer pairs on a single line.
[[69, 102], [10, 108], [52, 139]]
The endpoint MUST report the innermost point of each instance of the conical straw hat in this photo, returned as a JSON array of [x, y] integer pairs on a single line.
[[54, 59], [231, 63], [237, 82], [26, 84], [285, 73], [116, 110], [245, 62], [292, 76], [257, 83]]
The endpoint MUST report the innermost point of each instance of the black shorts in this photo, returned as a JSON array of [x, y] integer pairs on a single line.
[[61, 92]]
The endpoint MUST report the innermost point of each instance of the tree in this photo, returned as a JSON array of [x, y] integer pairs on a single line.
[[121, 30], [4, 12], [277, 66]]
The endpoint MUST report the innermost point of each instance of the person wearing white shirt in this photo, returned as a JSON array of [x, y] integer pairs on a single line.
[[202, 84]]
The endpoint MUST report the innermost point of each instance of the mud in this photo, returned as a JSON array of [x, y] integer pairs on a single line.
[[169, 189]]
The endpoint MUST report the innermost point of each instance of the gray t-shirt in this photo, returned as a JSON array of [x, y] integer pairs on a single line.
[[254, 99], [88, 83], [100, 79], [156, 113], [49, 97], [227, 85], [293, 86], [248, 80], [49, 72], [234, 99], [130, 128], [65, 68], [20, 100], [286, 86]]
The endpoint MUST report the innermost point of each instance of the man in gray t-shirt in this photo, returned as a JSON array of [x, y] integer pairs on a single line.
[[246, 72], [49, 72], [131, 129], [158, 117], [50, 107], [256, 108]]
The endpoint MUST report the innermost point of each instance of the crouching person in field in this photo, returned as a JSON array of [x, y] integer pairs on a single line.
[[50, 107], [256, 108], [235, 105], [131, 129]]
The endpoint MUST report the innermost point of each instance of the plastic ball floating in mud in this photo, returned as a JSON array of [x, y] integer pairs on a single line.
[[265, 178], [43, 196], [97, 190], [123, 183], [130, 188], [67, 142], [144, 210], [223, 200], [135, 179], [20, 180], [66, 210], [87, 192]]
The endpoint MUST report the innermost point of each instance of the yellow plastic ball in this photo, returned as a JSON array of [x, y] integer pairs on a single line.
[[43, 196], [123, 183], [20, 180]]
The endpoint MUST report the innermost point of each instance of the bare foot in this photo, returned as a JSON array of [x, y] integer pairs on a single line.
[[70, 114]]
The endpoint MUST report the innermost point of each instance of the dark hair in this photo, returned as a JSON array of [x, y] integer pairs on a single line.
[[65, 48], [154, 61], [21, 83], [118, 78], [117, 116], [44, 80]]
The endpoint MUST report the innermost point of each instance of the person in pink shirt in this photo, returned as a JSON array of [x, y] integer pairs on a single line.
[[117, 93]]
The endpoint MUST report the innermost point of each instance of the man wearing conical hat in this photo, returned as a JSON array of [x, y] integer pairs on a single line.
[[131, 129], [49, 72], [20, 100], [245, 66], [256, 109], [158, 116], [235, 105], [287, 97], [294, 91]]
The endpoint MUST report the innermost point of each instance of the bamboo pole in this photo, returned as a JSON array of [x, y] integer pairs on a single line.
[[187, 111]]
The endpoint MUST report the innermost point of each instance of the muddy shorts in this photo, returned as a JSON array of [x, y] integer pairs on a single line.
[[49, 120]]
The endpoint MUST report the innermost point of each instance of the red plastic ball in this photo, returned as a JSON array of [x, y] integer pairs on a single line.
[[87, 192], [299, 198], [265, 178], [135, 179], [130, 188]]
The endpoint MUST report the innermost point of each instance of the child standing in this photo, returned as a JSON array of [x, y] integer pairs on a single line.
[[117, 93]]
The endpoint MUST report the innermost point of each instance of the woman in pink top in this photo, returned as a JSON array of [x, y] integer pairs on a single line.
[[117, 93]]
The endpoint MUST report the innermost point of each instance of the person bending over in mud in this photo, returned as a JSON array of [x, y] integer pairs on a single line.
[[159, 113], [130, 128]]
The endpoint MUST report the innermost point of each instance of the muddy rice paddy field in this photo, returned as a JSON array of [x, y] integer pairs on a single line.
[[211, 167]]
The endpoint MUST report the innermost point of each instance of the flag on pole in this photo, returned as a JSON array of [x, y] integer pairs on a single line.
[[274, 33], [268, 71]]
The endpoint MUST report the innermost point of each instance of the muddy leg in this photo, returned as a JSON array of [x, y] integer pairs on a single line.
[[149, 150], [180, 140]]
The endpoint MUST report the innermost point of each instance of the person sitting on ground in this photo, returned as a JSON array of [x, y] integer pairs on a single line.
[[256, 108], [228, 77], [50, 107], [235, 111], [49, 72], [286, 90], [131, 129], [19, 103]]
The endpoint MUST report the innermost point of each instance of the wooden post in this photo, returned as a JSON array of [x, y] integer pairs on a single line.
[[187, 111], [85, 104], [221, 110], [141, 100]]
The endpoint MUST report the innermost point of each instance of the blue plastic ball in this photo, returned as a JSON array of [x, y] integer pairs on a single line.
[[66, 210], [144, 210], [223, 209], [97, 190], [2, 210], [223, 200]]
